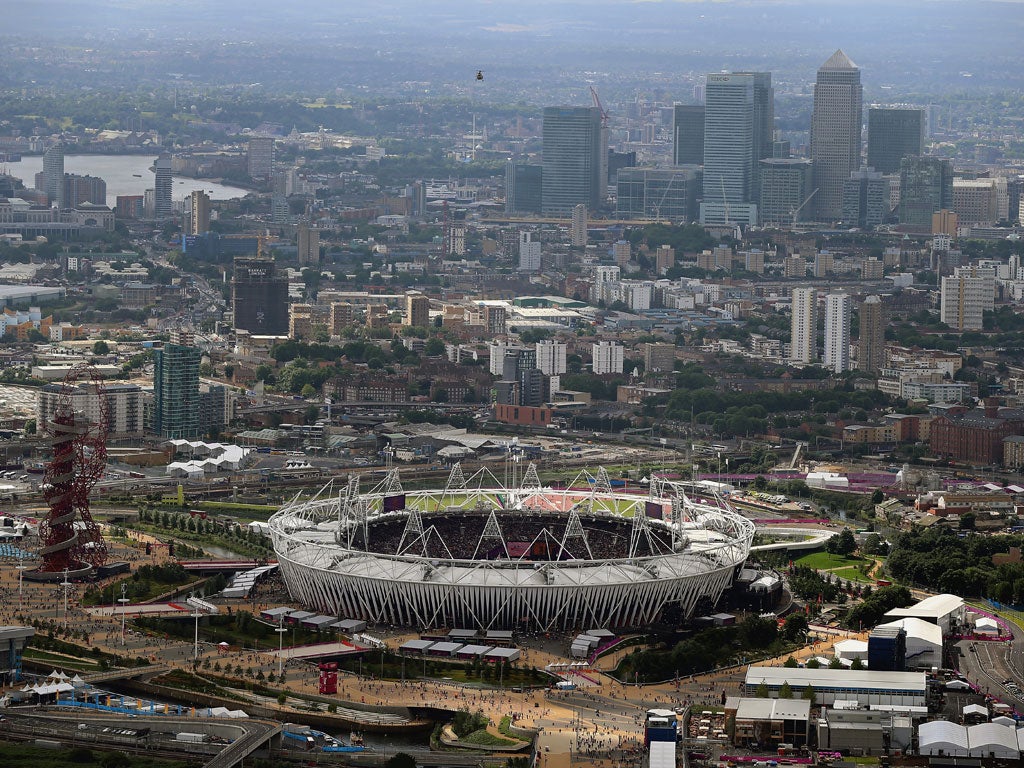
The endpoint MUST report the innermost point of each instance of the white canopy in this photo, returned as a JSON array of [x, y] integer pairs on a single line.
[[986, 624]]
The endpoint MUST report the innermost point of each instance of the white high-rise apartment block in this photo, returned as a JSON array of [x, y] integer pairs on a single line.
[[608, 357], [53, 175], [529, 253], [606, 274], [124, 406], [965, 297], [163, 187], [803, 330], [497, 356], [578, 233], [551, 357], [838, 310]]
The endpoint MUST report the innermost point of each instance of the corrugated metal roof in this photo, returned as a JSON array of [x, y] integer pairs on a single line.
[[663, 754], [837, 678]]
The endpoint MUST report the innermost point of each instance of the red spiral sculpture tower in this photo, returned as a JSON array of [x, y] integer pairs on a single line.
[[70, 538]]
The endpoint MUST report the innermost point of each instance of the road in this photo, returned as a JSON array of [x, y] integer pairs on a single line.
[[988, 663], [246, 735]]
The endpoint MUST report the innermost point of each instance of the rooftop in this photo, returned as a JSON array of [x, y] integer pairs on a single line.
[[773, 709], [847, 679], [838, 60]]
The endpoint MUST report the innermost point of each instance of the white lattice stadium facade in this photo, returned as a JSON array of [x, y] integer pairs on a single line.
[[477, 554]]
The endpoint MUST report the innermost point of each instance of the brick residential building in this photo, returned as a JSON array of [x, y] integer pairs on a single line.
[[976, 436]]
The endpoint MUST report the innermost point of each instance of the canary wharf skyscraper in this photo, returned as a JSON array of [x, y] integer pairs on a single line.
[[738, 120], [835, 132], [571, 159]]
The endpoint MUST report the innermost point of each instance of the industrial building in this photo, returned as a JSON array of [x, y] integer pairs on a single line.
[[863, 731], [923, 642], [941, 610], [12, 642], [768, 721], [863, 686]]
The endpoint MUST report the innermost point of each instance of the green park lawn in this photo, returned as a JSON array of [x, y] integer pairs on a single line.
[[825, 560], [852, 574]]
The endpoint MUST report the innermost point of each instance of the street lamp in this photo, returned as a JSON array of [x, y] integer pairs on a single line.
[[65, 585], [21, 573], [280, 644], [123, 600], [197, 615]]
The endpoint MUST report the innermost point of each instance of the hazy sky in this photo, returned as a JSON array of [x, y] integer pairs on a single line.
[[896, 42]]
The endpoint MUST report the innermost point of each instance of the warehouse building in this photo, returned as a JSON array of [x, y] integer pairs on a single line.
[[941, 610], [863, 686], [923, 642]]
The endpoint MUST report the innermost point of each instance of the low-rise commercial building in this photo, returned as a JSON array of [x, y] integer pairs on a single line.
[[863, 686]]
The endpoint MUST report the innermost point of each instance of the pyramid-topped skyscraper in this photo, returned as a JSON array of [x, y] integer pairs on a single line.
[[835, 132]]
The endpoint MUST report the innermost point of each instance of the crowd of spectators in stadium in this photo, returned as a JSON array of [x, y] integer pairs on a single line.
[[528, 535]]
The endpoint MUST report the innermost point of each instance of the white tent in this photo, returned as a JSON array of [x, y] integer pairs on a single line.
[[941, 737], [986, 626], [994, 741], [975, 709], [1003, 720], [848, 650], [52, 688]]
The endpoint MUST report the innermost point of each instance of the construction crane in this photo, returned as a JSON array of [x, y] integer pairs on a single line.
[[600, 107], [797, 210], [602, 167]]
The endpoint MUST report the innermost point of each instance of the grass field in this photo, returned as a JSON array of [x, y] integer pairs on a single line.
[[485, 738], [852, 574], [60, 660], [824, 560]]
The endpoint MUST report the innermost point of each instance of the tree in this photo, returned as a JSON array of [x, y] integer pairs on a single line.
[[810, 695], [101, 348], [401, 760], [856, 664], [433, 348], [762, 691], [757, 632], [842, 543], [81, 755], [785, 692], [795, 628], [791, 663], [115, 760], [873, 545], [835, 663], [813, 663]]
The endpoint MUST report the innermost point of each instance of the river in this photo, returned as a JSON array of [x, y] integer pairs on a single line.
[[124, 174]]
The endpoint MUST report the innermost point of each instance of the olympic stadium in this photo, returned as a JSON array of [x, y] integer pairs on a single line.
[[490, 555]]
